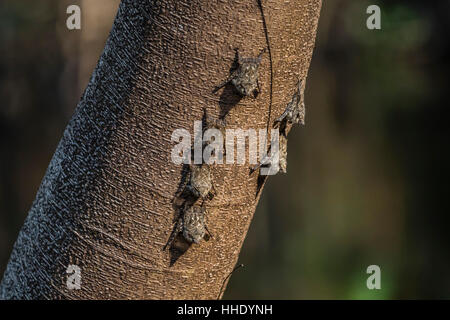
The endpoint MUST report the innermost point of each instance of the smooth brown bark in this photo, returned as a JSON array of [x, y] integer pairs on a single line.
[[105, 203]]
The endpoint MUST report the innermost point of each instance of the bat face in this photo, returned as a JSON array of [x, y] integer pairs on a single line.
[[194, 224], [246, 79], [200, 181]]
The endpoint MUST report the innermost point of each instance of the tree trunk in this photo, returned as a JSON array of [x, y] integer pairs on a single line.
[[105, 203]]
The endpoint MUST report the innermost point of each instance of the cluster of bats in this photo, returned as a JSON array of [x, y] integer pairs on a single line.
[[191, 213]]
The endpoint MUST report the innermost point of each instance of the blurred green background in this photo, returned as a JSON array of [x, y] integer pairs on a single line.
[[367, 176]]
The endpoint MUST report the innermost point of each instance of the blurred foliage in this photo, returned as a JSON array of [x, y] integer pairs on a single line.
[[367, 175]]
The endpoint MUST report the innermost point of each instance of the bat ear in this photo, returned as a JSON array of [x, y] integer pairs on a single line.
[[237, 56], [260, 54]]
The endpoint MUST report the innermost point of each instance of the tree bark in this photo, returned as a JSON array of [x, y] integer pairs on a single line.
[[105, 203]]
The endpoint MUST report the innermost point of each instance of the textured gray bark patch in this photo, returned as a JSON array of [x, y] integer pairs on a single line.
[[61, 205]]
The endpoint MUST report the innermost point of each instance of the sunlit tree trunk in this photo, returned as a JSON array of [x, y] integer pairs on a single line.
[[105, 203]]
